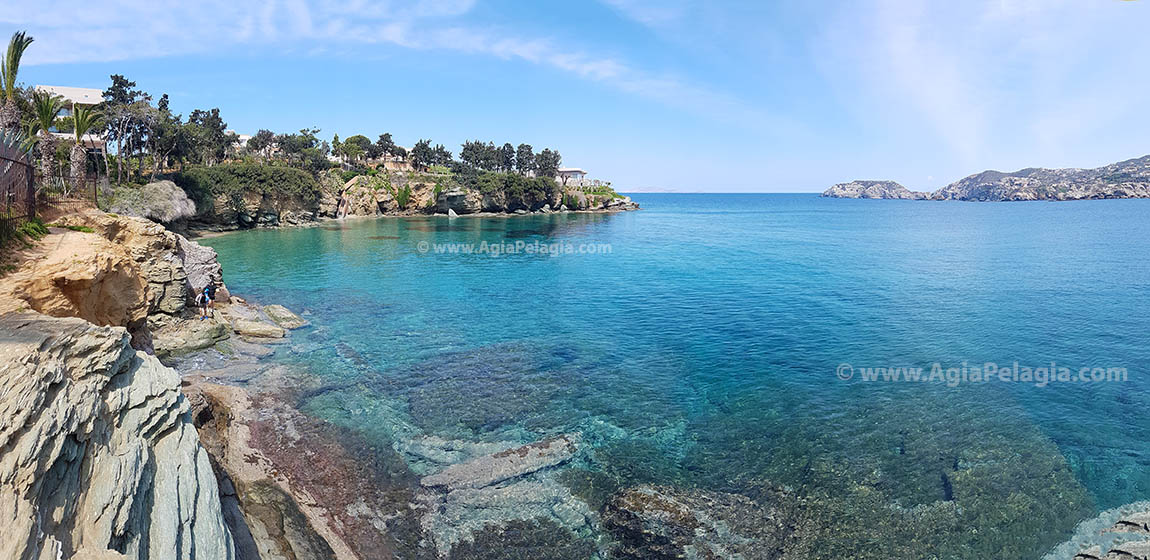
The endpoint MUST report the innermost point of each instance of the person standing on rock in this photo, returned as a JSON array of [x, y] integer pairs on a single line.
[[207, 300]]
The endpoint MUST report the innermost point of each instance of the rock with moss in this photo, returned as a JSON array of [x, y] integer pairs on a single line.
[[161, 201]]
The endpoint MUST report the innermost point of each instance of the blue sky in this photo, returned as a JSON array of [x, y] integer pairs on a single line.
[[654, 95]]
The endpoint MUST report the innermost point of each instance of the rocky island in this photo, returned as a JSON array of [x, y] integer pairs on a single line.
[[873, 189], [1125, 179]]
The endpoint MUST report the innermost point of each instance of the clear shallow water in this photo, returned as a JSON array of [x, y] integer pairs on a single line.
[[702, 351]]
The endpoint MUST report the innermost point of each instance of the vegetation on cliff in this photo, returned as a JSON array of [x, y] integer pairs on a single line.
[[205, 184]]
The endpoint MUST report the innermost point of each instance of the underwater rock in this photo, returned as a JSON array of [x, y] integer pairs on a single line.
[[511, 463], [660, 522]]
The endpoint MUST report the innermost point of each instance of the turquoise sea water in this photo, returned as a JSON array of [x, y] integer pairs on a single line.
[[702, 351]]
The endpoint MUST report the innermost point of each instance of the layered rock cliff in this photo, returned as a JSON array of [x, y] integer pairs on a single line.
[[98, 455], [1125, 179]]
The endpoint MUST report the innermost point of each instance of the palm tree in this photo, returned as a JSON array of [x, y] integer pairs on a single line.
[[84, 119], [9, 111], [46, 106]]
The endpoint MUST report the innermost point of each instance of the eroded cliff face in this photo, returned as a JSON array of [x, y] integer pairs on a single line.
[[98, 454], [128, 272]]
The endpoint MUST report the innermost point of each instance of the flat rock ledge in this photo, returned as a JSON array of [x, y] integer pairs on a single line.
[[511, 463]]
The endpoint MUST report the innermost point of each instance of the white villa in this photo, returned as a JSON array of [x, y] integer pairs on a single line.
[[576, 177], [570, 176], [78, 96]]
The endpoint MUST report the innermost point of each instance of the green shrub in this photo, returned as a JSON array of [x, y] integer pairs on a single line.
[[402, 196], [233, 180], [81, 229], [24, 234]]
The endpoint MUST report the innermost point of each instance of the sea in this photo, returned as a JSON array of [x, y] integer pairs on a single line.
[[946, 379]]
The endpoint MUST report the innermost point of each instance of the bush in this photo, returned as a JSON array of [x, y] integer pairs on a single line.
[[520, 191], [23, 234], [233, 180]]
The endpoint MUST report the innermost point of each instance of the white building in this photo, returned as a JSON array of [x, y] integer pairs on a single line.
[[570, 176]]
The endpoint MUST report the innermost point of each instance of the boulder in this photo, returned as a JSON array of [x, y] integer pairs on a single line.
[[201, 267], [160, 201], [284, 317], [177, 337], [257, 329], [100, 458]]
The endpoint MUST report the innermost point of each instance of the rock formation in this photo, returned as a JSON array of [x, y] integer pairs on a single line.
[[99, 456], [1125, 179], [161, 201], [128, 272], [873, 189]]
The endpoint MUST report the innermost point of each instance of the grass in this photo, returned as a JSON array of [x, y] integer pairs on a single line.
[[81, 229]]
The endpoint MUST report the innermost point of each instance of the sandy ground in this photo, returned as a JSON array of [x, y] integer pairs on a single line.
[[59, 244]]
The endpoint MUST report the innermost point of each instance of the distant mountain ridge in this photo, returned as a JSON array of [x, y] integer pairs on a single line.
[[1125, 179]]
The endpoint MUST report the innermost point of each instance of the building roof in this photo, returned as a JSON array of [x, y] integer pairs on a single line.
[[571, 170], [81, 96]]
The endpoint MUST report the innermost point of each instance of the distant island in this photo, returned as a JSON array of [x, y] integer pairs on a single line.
[[1125, 179]]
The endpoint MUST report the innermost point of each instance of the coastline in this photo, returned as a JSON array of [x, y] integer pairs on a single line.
[[206, 233]]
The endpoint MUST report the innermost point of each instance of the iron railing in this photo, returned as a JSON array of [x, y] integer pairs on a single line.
[[17, 193]]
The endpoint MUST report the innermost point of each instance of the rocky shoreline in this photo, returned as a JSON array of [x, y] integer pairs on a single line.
[[1126, 179], [376, 196]]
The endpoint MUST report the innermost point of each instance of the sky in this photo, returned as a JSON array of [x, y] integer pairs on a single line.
[[653, 95]]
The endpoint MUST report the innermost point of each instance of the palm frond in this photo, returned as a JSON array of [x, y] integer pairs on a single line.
[[11, 64], [85, 119], [46, 107]]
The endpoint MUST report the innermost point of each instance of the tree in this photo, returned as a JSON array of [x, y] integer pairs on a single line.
[[441, 155], [336, 147], [209, 135], [9, 68], [472, 153], [124, 108], [84, 120], [422, 155], [47, 107], [525, 159], [385, 146], [507, 157], [305, 149], [547, 163], [167, 136], [263, 142], [356, 146]]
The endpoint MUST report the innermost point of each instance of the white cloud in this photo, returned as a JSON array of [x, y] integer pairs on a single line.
[[134, 29], [991, 81]]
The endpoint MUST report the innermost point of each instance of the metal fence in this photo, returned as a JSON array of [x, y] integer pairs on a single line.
[[18, 193], [65, 192]]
